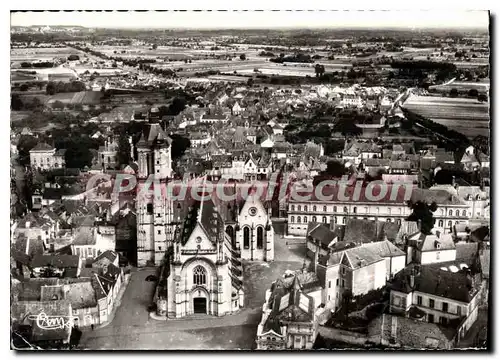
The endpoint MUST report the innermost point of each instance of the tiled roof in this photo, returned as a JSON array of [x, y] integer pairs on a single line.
[[57, 261], [42, 147]]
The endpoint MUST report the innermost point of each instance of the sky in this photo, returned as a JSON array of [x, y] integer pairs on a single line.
[[255, 19]]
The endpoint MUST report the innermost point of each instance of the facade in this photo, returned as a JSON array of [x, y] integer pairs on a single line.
[[255, 236], [448, 295], [337, 210], [46, 157], [203, 275]]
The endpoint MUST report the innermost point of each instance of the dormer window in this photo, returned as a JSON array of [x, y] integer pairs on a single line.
[[438, 245]]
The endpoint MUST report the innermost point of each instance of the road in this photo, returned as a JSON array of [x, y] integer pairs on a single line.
[[133, 329]]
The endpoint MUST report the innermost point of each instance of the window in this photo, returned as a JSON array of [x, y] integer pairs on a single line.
[[440, 223], [324, 208], [305, 219], [314, 208], [324, 219], [419, 300], [158, 215], [292, 219], [337, 282], [199, 275], [445, 306], [431, 303], [457, 213], [430, 318], [443, 320], [449, 224], [354, 209], [464, 213], [305, 208], [334, 209], [292, 207], [396, 300], [342, 283], [345, 209], [450, 212], [343, 271], [459, 310], [343, 220], [159, 248], [329, 284], [149, 208], [298, 219], [246, 238], [159, 232], [314, 219], [260, 237], [299, 208]]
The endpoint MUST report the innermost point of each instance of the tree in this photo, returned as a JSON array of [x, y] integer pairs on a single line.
[[482, 97], [155, 46], [454, 92], [334, 168], [51, 88], [179, 145], [123, 151], [243, 57], [16, 103], [177, 106], [78, 153], [24, 145], [423, 213], [58, 105], [24, 87], [473, 93]]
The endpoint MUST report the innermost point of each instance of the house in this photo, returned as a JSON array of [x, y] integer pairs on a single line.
[[358, 270], [437, 294], [56, 266], [46, 157], [430, 248], [289, 314], [319, 238], [90, 241]]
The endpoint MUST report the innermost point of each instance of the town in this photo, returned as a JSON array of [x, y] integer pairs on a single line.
[[249, 189]]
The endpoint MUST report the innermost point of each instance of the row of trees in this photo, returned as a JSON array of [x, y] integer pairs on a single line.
[[63, 87], [40, 64]]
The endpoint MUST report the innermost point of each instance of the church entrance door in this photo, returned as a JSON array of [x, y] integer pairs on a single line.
[[200, 305]]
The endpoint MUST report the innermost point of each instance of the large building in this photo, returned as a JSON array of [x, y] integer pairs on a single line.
[[46, 157]]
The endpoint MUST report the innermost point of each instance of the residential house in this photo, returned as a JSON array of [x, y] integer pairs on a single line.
[[46, 157], [289, 314], [430, 248], [437, 294], [56, 266]]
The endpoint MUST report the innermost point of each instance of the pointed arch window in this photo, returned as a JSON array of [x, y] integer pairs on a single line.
[[260, 237], [246, 238], [199, 275]]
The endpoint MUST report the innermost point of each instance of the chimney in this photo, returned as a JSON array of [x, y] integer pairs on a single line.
[[438, 234], [412, 280], [419, 225]]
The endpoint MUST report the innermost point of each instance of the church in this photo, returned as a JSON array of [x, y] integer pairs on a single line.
[[199, 245]]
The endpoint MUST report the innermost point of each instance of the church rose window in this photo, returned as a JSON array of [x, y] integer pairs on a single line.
[[199, 275]]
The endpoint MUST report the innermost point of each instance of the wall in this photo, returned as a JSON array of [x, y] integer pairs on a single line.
[[431, 257], [346, 336], [370, 277]]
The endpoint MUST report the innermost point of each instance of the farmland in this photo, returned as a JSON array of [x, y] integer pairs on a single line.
[[73, 98], [467, 116], [34, 54]]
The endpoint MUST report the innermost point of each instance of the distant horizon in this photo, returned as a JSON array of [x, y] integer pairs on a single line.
[[259, 20]]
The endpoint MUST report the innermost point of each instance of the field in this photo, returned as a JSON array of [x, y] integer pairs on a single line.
[[82, 97], [34, 54], [464, 87], [467, 116]]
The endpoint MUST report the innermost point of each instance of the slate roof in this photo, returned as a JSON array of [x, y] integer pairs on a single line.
[[42, 147], [433, 242], [484, 259], [466, 250], [57, 261], [321, 232], [431, 279]]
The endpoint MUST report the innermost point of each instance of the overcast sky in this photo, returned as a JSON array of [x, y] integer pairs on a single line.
[[253, 19]]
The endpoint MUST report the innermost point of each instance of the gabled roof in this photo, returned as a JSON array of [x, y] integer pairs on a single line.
[[42, 147], [431, 279]]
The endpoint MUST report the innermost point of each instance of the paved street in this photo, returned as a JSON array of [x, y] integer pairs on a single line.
[[133, 329]]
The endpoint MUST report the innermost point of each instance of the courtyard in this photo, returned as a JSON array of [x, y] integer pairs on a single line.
[[133, 329]]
